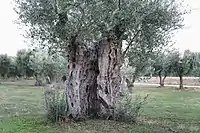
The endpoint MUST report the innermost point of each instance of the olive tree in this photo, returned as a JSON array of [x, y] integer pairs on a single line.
[[137, 65], [51, 67], [92, 32], [182, 65], [12, 67], [22, 62], [4, 65], [163, 66], [196, 70]]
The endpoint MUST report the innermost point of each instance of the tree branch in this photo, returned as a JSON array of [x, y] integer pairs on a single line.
[[119, 4], [129, 44], [164, 77]]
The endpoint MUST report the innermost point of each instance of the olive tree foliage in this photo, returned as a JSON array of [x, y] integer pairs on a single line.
[[54, 22], [22, 62], [55, 67], [137, 64], [141, 52], [45, 65], [141, 56], [13, 68], [92, 32], [196, 70], [8, 66]]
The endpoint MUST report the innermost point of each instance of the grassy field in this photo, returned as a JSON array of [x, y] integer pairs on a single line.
[[168, 110]]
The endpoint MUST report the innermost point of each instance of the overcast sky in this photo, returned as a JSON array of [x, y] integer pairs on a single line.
[[11, 40]]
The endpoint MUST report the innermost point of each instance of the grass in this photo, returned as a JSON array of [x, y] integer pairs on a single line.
[[168, 110]]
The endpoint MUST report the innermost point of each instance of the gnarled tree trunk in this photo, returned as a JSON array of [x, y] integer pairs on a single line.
[[93, 83]]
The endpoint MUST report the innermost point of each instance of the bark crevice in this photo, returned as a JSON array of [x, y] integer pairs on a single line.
[[108, 79]]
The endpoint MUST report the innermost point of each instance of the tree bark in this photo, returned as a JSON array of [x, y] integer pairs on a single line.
[[130, 84], [82, 82], [163, 80], [161, 83], [108, 80], [52, 78], [181, 82]]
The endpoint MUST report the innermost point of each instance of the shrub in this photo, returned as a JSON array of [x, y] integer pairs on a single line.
[[129, 108], [56, 105]]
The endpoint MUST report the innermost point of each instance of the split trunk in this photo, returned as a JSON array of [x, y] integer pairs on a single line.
[[94, 80]]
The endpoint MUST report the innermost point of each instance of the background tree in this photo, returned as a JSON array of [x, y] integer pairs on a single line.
[[196, 70], [13, 68], [92, 33], [45, 65], [142, 50], [182, 65], [163, 66], [138, 64], [23, 65], [4, 65], [55, 67], [141, 56]]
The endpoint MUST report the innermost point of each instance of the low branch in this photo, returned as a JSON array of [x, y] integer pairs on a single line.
[[55, 6], [104, 103]]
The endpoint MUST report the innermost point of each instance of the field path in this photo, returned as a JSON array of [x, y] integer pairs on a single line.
[[149, 84]]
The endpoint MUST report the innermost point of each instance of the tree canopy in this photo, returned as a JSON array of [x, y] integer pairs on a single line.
[[53, 23]]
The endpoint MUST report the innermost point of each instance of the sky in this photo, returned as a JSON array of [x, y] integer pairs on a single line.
[[11, 39]]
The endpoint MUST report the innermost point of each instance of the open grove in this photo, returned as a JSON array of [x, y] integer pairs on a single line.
[[98, 66]]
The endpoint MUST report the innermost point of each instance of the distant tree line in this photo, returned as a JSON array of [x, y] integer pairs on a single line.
[[161, 64], [33, 63], [39, 64]]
